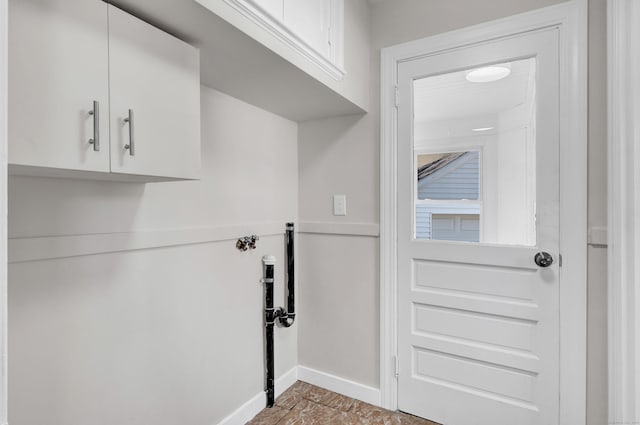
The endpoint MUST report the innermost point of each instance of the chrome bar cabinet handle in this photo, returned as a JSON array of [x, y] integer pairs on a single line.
[[96, 126], [132, 144]]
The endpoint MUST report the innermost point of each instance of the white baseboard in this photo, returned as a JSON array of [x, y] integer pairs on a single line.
[[247, 411], [352, 389], [340, 385], [286, 380], [251, 408]]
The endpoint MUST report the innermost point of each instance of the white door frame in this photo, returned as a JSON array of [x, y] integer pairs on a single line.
[[4, 30], [624, 207], [571, 19]]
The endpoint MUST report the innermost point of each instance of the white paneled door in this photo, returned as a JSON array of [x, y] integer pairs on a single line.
[[478, 337]]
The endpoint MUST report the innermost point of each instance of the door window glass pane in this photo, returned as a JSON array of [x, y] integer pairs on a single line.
[[474, 154]]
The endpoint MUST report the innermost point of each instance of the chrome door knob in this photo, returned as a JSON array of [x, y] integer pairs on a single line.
[[543, 259]]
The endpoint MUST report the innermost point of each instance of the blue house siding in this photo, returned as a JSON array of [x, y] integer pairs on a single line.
[[457, 180], [423, 222]]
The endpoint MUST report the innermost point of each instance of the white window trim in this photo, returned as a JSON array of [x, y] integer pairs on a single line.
[[447, 207], [333, 65], [571, 19], [624, 210]]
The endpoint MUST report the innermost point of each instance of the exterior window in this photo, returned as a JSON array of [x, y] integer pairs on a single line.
[[448, 196]]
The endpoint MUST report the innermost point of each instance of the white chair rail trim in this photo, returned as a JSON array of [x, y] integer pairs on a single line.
[[51, 247]]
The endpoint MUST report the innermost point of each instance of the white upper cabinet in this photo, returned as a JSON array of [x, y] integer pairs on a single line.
[[314, 28], [76, 69], [58, 66], [310, 20], [155, 100]]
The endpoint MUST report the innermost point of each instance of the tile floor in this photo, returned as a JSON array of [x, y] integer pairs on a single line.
[[306, 404]]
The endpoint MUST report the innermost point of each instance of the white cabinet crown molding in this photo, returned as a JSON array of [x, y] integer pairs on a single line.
[[280, 31]]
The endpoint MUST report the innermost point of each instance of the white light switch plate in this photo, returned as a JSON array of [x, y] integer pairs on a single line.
[[339, 205]]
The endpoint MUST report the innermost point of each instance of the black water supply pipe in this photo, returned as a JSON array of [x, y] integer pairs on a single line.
[[269, 262], [271, 314], [288, 317]]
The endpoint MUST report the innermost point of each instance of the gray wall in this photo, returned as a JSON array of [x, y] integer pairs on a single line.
[[159, 336], [341, 156], [597, 215], [339, 321]]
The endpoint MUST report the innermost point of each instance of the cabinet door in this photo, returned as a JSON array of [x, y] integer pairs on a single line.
[[309, 19], [156, 77], [58, 54]]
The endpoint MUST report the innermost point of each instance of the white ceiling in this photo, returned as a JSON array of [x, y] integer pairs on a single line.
[[451, 96]]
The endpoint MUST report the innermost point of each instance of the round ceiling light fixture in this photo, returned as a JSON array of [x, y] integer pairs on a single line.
[[487, 74]]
